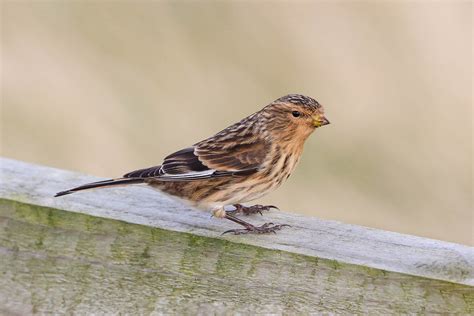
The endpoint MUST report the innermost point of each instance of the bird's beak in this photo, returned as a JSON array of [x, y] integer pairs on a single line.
[[320, 120]]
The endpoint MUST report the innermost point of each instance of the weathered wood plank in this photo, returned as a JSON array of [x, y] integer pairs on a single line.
[[309, 236], [55, 260], [61, 262]]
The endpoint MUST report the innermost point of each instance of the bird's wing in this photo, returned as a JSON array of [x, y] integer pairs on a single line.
[[208, 159]]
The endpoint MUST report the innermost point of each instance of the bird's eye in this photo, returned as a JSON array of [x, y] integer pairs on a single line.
[[296, 113]]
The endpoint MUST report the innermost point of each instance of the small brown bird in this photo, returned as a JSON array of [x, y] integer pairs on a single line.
[[242, 163]]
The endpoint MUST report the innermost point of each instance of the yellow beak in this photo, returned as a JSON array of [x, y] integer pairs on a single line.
[[320, 120]]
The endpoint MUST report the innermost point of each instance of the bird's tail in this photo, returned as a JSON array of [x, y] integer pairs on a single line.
[[101, 184]]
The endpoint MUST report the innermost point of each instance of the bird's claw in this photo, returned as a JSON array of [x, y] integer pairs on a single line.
[[248, 210], [264, 229]]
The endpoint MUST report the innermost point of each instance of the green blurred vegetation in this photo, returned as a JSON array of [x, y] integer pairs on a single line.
[[105, 87]]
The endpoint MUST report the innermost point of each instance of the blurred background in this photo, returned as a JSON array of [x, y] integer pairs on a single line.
[[105, 87]]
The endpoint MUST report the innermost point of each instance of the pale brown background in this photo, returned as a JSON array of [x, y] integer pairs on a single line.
[[105, 87]]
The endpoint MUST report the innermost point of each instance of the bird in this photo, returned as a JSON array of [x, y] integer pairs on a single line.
[[239, 164]]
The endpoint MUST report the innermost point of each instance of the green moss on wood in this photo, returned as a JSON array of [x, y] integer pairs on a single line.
[[64, 262]]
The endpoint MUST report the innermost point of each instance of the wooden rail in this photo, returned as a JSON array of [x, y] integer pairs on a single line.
[[135, 251]]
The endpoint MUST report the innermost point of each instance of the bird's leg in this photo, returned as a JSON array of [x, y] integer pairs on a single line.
[[249, 228], [254, 209]]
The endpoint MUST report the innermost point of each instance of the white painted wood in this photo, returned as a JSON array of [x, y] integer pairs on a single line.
[[310, 236]]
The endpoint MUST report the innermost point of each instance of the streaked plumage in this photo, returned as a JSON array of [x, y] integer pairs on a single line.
[[239, 164]]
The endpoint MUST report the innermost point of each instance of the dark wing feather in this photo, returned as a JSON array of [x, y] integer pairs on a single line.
[[196, 163], [180, 162], [185, 165], [145, 173], [183, 161], [232, 152]]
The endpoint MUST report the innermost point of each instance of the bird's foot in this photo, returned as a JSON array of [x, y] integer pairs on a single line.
[[254, 209], [251, 229]]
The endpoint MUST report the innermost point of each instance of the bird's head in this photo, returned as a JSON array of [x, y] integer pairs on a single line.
[[295, 116]]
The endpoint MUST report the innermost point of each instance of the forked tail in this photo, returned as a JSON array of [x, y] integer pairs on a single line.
[[100, 184]]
